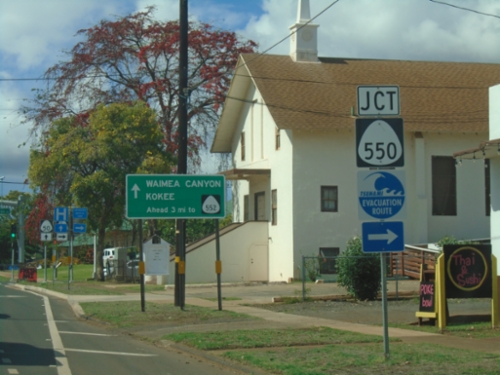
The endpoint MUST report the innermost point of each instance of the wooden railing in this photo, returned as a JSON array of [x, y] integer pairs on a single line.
[[408, 262]]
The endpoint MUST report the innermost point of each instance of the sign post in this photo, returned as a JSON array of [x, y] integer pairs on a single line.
[[65, 228], [381, 194], [157, 196]]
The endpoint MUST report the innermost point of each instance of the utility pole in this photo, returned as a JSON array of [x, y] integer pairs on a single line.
[[180, 249]]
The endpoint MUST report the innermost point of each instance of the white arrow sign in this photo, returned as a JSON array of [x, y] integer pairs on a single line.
[[389, 236], [46, 237], [135, 189]]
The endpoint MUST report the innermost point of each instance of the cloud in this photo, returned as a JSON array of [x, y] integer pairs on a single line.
[[223, 14], [14, 159], [34, 32], [388, 29]]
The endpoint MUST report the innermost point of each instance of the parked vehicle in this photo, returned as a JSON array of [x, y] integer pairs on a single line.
[[114, 253], [132, 269]]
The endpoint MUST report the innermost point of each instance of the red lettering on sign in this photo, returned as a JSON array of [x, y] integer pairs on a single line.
[[426, 288]]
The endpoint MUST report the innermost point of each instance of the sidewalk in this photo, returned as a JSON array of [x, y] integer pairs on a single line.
[[257, 294]]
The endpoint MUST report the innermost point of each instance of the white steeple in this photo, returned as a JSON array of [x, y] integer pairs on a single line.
[[304, 39]]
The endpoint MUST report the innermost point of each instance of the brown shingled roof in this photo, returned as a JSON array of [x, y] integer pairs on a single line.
[[434, 96]]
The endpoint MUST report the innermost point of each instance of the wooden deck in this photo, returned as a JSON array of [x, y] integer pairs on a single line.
[[408, 263]]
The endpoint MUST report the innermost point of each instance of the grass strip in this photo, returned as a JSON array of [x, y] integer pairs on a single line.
[[125, 314], [408, 359], [81, 272], [264, 338]]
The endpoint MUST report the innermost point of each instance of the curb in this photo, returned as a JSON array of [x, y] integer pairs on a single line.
[[77, 309]]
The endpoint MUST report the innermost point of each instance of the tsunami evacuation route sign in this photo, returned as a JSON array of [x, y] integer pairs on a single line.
[[381, 195]]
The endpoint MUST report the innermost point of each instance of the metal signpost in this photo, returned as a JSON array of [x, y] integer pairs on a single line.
[[45, 235], [65, 228], [381, 193]]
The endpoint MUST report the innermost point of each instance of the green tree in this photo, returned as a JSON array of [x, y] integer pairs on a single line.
[[358, 272], [136, 57], [83, 162]]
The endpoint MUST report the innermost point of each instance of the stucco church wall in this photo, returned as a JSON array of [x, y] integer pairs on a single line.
[[471, 220], [261, 153], [494, 100], [324, 158]]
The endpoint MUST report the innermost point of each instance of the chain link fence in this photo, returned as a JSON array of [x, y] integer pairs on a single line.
[[122, 270], [324, 268]]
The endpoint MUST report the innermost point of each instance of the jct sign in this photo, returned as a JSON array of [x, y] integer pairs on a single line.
[[378, 100]]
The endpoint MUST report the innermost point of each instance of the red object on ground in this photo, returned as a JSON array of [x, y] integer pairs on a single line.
[[29, 274]]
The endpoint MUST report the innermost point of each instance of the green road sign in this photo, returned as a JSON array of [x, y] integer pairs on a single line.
[[175, 196], [4, 211]]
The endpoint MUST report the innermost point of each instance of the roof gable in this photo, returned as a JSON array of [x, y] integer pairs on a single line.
[[434, 96]]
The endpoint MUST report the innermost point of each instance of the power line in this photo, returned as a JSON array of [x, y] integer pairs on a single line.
[[466, 9], [14, 183]]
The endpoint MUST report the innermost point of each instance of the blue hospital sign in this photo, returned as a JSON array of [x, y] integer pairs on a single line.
[[381, 195]]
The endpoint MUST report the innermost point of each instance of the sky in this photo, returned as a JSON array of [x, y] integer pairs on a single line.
[[34, 34]]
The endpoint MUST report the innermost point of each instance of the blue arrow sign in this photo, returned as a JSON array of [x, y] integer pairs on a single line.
[[384, 236], [61, 227], [80, 213], [79, 228]]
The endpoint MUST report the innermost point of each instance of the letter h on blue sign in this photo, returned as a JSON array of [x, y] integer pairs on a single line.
[[60, 214]]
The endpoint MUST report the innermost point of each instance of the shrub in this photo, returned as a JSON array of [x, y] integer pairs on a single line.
[[358, 272], [311, 266], [450, 240]]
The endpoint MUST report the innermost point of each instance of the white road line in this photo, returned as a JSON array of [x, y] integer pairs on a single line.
[[63, 367], [112, 353], [84, 333], [9, 296], [13, 371]]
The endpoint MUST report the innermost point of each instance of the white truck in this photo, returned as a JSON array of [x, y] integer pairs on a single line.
[[114, 253], [114, 260]]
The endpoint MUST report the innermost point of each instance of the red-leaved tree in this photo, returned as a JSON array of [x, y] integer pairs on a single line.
[[42, 210], [136, 58]]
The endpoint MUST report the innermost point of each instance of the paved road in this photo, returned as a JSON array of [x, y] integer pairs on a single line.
[[42, 336]]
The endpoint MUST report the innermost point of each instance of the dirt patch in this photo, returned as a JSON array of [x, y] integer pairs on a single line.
[[370, 312]]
